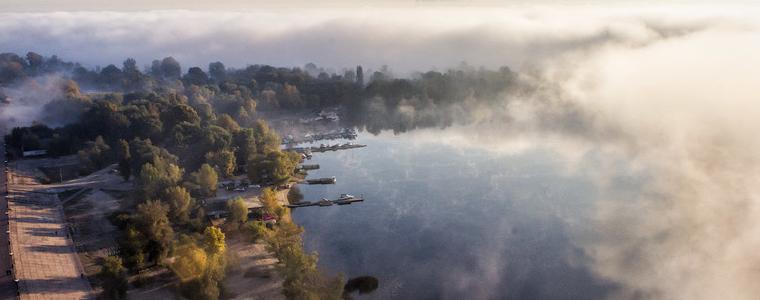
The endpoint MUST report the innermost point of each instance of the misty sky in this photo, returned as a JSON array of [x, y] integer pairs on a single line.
[[138, 5], [404, 35]]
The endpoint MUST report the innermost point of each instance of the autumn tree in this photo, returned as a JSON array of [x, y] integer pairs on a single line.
[[179, 202], [238, 211], [204, 181], [201, 264]]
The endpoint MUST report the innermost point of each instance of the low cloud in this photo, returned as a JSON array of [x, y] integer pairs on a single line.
[[407, 40]]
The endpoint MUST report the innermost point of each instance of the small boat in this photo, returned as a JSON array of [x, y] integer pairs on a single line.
[[346, 197], [324, 202]]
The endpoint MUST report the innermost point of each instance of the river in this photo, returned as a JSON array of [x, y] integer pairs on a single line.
[[443, 221]]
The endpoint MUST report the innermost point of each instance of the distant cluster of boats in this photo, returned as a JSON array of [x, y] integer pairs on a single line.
[[344, 199]]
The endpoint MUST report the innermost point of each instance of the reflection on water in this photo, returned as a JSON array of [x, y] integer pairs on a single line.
[[453, 223]]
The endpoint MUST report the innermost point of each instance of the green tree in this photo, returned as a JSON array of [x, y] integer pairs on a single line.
[[156, 177], [179, 113], [96, 155], [217, 71], [267, 139], [277, 166], [170, 68], [114, 278], [224, 161], [132, 245], [179, 201], [123, 156], [205, 181], [254, 230], [143, 151], [152, 220], [238, 211]]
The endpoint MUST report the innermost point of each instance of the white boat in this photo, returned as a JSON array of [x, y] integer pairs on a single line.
[[346, 197], [324, 202]]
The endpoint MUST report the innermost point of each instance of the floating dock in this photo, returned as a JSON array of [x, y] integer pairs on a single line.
[[309, 167], [349, 134], [343, 200], [326, 180], [325, 148]]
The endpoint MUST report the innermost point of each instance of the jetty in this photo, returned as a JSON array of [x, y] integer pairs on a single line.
[[345, 133], [326, 180], [344, 199], [309, 167], [325, 148]]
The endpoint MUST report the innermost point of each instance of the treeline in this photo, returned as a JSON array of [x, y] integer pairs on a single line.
[[175, 134], [378, 102], [271, 87], [175, 145]]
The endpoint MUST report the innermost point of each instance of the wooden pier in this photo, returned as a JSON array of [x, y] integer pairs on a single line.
[[324, 202]]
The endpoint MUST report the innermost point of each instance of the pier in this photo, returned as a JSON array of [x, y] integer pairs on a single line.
[[344, 199], [349, 134], [325, 148], [326, 180], [309, 167]]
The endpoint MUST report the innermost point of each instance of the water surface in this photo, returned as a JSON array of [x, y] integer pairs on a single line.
[[445, 222]]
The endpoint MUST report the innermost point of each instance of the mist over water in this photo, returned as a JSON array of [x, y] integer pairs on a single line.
[[442, 222], [630, 171]]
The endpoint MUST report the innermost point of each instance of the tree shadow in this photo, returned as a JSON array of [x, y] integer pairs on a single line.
[[52, 249], [60, 284]]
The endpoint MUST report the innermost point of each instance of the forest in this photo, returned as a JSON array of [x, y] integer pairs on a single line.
[[175, 134], [375, 101]]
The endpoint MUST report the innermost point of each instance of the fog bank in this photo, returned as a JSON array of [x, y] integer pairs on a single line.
[[405, 39], [681, 112]]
